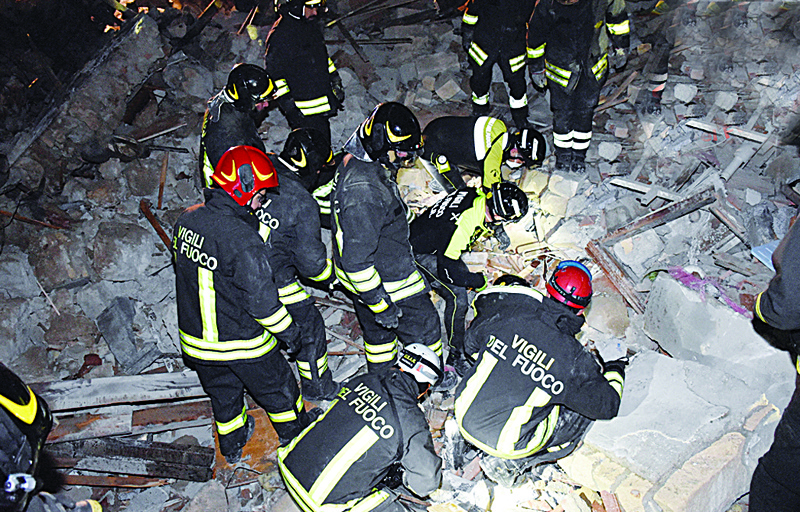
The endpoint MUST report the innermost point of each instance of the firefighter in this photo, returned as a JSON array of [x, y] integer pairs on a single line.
[[309, 88], [494, 32], [568, 47], [289, 224], [229, 118], [534, 390], [478, 146], [229, 313], [444, 231], [371, 250], [25, 423], [775, 485], [372, 439]]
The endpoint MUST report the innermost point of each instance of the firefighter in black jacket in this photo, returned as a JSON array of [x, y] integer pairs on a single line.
[[229, 119], [494, 32], [479, 146], [568, 44], [372, 439], [775, 485], [448, 228], [229, 313], [534, 390], [290, 227], [371, 250], [308, 87]]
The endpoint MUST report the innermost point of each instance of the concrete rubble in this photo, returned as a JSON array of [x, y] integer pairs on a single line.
[[676, 218]]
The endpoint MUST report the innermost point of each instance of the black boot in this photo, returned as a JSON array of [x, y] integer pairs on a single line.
[[563, 159], [480, 110], [520, 117], [578, 161]]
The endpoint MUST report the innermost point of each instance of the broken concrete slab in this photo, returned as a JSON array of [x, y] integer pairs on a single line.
[[132, 352]]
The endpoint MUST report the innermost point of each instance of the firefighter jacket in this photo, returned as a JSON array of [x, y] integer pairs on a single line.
[[297, 61], [224, 127], [529, 366], [323, 189], [449, 228], [289, 225], [779, 305], [497, 24], [228, 307], [374, 421], [478, 145], [371, 251], [565, 39]]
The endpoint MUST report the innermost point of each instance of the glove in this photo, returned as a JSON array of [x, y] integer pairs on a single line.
[[289, 108], [619, 59], [389, 318], [539, 80], [467, 34], [394, 478], [338, 90], [616, 365]]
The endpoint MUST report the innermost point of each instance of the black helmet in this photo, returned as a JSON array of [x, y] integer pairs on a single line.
[[511, 280], [247, 85], [295, 7], [530, 145], [308, 152], [25, 422], [507, 202], [391, 127]]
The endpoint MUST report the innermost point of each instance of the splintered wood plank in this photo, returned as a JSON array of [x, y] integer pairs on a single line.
[[87, 393], [113, 481], [110, 422], [160, 418], [616, 275]]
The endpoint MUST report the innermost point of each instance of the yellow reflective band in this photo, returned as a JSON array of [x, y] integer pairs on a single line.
[[381, 353], [276, 322], [469, 19], [600, 67], [619, 29], [322, 364], [282, 417], [208, 304], [519, 416], [292, 293], [326, 272], [471, 390], [25, 412], [264, 231], [561, 72], [399, 290], [315, 106], [331, 66], [797, 364], [544, 431], [236, 423], [555, 78], [371, 501], [517, 63], [518, 103], [615, 379], [341, 462], [379, 307], [227, 350], [535, 53], [281, 87], [436, 346], [302, 162], [304, 369], [478, 55]]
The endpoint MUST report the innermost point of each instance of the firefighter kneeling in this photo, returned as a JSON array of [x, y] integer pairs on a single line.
[[372, 439], [534, 390]]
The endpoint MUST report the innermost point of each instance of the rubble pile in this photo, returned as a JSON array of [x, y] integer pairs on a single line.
[[677, 217]]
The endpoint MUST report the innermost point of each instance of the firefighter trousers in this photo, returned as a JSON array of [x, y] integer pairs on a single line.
[[312, 361], [271, 384], [508, 53], [456, 303], [573, 113], [419, 324], [775, 486]]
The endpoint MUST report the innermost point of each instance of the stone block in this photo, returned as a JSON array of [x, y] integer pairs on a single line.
[[58, 259], [608, 314], [450, 90], [212, 497], [725, 100], [533, 181], [563, 185], [639, 251], [554, 204], [609, 150], [16, 275], [710, 480], [705, 330], [122, 250], [685, 92]]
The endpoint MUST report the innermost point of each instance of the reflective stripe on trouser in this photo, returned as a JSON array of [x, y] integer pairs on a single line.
[[510, 59], [271, 384], [312, 361], [419, 324]]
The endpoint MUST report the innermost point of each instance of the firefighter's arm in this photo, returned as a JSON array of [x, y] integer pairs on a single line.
[[492, 163], [423, 468], [596, 391], [310, 254], [779, 305], [468, 22], [537, 38], [275, 66], [253, 275], [359, 225], [457, 273]]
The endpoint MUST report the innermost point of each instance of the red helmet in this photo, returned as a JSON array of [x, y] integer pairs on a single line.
[[571, 284], [243, 171]]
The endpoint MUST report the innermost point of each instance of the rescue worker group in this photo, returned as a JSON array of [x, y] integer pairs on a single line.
[[526, 390]]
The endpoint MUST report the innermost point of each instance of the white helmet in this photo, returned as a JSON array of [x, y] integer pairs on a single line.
[[421, 362]]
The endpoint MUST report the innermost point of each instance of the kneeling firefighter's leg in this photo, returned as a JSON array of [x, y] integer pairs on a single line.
[[380, 344], [420, 322]]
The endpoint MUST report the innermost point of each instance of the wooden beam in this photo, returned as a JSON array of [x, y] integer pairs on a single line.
[[137, 482], [86, 393], [615, 273], [725, 130]]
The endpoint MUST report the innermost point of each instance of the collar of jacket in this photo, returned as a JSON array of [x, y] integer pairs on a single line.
[[219, 201], [562, 317]]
